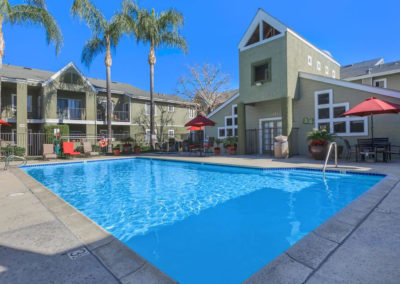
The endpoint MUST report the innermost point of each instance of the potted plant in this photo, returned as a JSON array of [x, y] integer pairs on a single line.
[[319, 142], [127, 147], [230, 143], [217, 150]]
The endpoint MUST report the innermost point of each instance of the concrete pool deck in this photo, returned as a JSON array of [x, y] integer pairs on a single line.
[[42, 238]]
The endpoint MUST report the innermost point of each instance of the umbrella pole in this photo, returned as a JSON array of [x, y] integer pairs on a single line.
[[372, 127]]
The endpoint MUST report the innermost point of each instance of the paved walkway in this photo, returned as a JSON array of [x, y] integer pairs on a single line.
[[44, 240]]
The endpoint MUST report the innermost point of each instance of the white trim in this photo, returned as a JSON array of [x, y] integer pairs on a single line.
[[313, 46], [260, 16], [227, 102], [319, 65], [373, 75], [333, 74], [260, 121], [360, 87], [384, 80], [331, 120], [233, 110], [172, 108], [17, 80], [173, 133], [66, 67]]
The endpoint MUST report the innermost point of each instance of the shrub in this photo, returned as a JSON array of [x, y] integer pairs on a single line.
[[319, 137], [49, 130], [13, 150], [230, 141]]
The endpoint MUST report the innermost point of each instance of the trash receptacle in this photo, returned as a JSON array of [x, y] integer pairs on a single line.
[[281, 147]]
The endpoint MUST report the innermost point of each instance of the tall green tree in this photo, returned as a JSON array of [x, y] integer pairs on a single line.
[[157, 30], [106, 35], [31, 12]]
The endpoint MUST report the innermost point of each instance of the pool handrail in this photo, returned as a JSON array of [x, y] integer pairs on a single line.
[[327, 157]]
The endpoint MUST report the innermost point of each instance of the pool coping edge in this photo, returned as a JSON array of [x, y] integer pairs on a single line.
[[121, 261]]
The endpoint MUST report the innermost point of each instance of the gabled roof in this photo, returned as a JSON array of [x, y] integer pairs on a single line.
[[14, 73], [262, 16], [351, 85], [363, 70], [64, 69], [234, 95]]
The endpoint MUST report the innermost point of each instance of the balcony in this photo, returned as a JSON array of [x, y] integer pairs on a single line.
[[71, 113], [117, 116], [9, 112], [34, 115]]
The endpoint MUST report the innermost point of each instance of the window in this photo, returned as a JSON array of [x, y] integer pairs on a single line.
[[323, 113], [323, 99], [234, 109], [147, 135], [261, 72], [191, 112], [309, 60], [14, 102], [29, 104], [171, 108], [339, 127], [229, 132], [326, 70], [171, 133], [228, 121], [235, 121], [318, 66], [147, 108], [71, 77], [255, 37], [268, 31], [221, 132], [327, 116], [337, 111], [333, 74], [380, 83], [357, 126]]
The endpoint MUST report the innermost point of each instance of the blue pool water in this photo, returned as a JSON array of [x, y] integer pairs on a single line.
[[202, 223]]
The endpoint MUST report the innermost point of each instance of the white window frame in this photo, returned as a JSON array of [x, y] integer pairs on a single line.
[[171, 133], [219, 136], [333, 74], [171, 108], [309, 60], [318, 65], [384, 80], [331, 120], [226, 119], [29, 106], [147, 136], [191, 112], [233, 110], [326, 70], [147, 108], [13, 102]]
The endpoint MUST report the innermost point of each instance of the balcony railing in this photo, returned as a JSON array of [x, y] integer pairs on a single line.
[[34, 115], [71, 113], [118, 116]]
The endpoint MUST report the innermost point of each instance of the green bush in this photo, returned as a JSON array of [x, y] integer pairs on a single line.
[[230, 141], [13, 150], [49, 130]]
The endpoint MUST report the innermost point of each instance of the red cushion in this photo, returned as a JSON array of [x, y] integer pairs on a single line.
[[74, 153]]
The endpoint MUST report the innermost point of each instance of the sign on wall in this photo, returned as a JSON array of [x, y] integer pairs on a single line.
[[308, 120]]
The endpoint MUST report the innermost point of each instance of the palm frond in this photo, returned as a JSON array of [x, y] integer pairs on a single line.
[[130, 11], [92, 48], [28, 14], [118, 25], [38, 3], [90, 14], [171, 19], [173, 39], [5, 8]]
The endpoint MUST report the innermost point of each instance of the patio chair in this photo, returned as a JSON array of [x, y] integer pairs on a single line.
[[87, 149], [209, 146], [68, 149], [365, 149], [48, 152]]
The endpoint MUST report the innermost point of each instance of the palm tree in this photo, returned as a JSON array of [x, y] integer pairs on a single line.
[[105, 36], [158, 30], [32, 12]]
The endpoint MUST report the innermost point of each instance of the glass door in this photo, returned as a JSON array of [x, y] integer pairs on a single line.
[[270, 129]]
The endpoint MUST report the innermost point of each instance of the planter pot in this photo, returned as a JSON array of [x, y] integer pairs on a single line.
[[137, 150], [116, 152], [127, 148], [318, 152], [217, 150], [232, 150]]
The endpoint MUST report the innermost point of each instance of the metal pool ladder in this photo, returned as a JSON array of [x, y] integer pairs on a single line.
[[11, 158], [327, 156]]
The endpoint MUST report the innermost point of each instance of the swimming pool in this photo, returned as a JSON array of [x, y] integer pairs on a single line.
[[202, 223]]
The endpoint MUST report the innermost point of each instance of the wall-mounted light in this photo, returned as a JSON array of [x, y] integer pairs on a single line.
[[258, 84]]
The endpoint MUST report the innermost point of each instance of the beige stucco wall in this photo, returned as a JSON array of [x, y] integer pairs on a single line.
[[274, 50], [386, 125]]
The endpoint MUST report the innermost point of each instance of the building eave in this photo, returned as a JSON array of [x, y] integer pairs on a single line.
[[227, 102]]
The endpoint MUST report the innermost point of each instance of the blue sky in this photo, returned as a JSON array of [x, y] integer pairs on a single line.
[[351, 30]]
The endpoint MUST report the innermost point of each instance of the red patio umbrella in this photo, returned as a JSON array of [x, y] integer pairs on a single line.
[[2, 122], [200, 121], [373, 106], [195, 128]]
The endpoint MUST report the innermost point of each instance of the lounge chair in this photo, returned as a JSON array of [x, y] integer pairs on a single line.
[[87, 149], [68, 149], [48, 152]]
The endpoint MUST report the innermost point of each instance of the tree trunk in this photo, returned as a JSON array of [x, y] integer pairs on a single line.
[[108, 62], [152, 61]]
